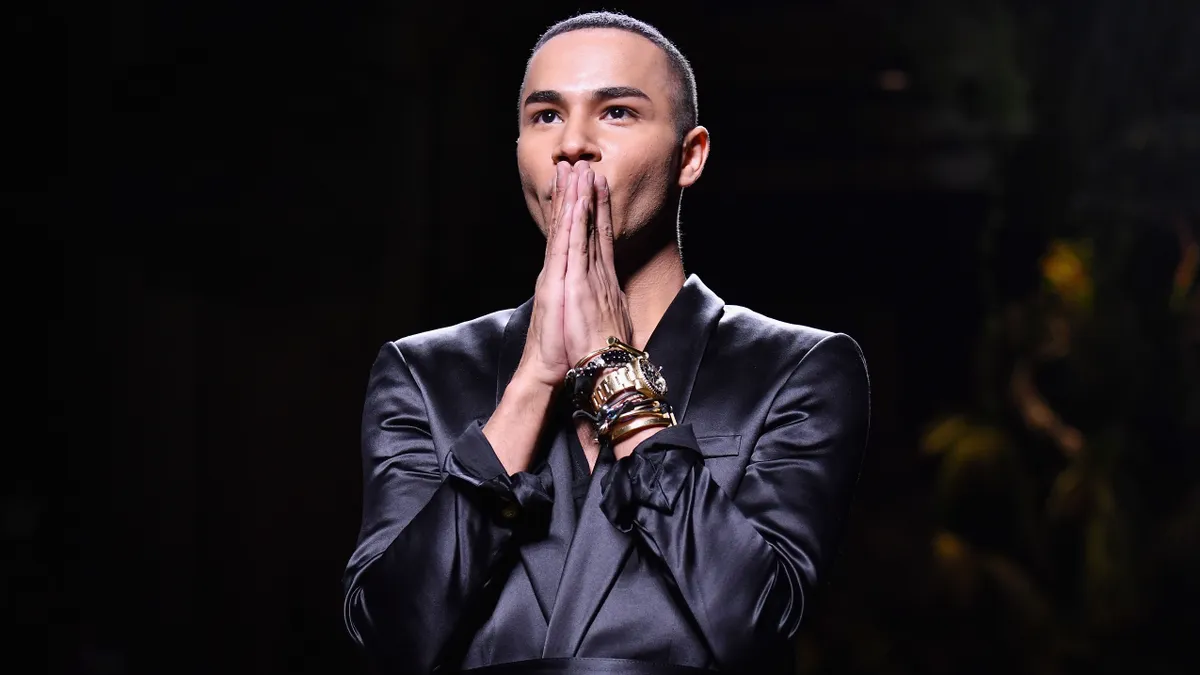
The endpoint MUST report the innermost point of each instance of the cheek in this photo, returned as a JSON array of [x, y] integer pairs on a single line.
[[535, 181], [535, 170], [642, 164], [640, 185], [525, 169]]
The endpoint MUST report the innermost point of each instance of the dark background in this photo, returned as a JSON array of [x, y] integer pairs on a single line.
[[275, 189]]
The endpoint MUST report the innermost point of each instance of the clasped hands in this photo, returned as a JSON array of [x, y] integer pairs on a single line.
[[578, 301]]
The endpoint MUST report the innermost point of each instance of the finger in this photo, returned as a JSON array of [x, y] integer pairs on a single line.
[[571, 193], [604, 224], [560, 187], [548, 215], [568, 197], [594, 260], [556, 263], [594, 253], [597, 231], [587, 191], [556, 260], [577, 261], [579, 170]]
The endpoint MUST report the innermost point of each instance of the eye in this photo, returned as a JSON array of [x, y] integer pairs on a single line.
[[545, 117], [619, 113]]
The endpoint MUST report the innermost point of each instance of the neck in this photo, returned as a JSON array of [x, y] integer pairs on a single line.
[[650, 288]]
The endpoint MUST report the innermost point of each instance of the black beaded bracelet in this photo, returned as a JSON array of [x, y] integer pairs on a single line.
[[580, 381]]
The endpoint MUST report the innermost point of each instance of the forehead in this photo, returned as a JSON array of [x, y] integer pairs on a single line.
[[593, 58]]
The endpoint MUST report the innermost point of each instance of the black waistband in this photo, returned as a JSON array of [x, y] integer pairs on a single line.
[[577, 666]]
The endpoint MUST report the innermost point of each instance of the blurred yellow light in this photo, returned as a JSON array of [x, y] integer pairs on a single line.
[[946, 546], [1064, 267]]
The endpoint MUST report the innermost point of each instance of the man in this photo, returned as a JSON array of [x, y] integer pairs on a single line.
[[535, 499]]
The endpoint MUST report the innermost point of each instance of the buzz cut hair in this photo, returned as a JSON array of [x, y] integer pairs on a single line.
[[683, 100]]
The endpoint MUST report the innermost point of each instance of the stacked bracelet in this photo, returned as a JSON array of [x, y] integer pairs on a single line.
[[620, 390], [581, 380]]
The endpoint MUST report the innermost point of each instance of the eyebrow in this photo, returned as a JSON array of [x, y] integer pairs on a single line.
[[597, 95]]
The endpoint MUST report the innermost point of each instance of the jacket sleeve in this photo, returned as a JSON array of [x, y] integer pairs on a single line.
[[744, 563], [433, 532]]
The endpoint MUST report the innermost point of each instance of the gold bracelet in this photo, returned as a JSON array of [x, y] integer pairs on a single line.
[[619, 425], [624, 408], [639, 424], [612, 343]]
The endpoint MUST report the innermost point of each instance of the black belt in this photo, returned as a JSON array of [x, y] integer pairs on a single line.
[[577, 666]]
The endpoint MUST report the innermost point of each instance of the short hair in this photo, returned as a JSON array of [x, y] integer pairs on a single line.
[[684, 103]]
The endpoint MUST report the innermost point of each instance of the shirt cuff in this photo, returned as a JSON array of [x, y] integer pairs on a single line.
[[651, 476], [512, 499]]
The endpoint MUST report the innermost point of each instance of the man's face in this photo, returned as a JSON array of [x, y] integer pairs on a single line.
[[601, 96]]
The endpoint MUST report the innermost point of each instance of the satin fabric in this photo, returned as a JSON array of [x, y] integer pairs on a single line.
[[586, 666], [697, 550]]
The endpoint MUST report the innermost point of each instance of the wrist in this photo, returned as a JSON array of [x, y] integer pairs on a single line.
[[514, 428], [629, 443], [530, 382]]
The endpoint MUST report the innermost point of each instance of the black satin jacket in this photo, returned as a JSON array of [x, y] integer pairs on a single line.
[[695, 552]]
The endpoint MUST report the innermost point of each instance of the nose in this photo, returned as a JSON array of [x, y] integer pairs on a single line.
[[576, 144]]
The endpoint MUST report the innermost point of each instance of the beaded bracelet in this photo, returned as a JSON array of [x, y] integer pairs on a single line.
[[582, 378]]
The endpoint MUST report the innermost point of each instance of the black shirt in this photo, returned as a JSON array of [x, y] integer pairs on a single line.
[[581, 474]]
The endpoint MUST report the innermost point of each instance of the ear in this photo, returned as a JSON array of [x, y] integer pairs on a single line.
[[694, 154]]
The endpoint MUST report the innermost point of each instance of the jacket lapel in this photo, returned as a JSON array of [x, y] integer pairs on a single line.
[[599, 550], [596, 555], [678, 341], [542, 557]]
